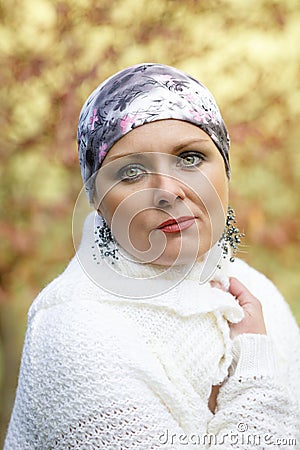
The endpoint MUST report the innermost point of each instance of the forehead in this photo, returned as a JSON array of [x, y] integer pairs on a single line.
[[163, 136]]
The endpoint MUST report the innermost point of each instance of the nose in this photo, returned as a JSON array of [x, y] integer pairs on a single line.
[[166, 191]]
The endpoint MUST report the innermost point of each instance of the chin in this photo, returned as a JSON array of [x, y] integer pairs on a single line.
[[180, 258]]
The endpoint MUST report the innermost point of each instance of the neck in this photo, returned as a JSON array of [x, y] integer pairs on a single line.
[[121, 268]]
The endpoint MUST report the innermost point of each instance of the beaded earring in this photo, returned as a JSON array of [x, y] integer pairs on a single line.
[[231, 238], [105, 241]]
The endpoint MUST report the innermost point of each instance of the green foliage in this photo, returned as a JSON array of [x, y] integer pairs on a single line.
[[54, 52]]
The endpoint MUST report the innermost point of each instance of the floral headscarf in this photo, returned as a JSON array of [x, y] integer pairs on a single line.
[[138, 95]]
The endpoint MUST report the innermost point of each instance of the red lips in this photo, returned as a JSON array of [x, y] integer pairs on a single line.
[[176, 225]]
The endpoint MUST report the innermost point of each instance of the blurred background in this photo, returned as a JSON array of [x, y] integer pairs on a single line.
[[54, 52]]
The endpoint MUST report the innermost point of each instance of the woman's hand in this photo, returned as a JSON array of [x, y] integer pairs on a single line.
[[253, 321]]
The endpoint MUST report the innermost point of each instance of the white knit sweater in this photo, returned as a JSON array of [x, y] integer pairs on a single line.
[[107, 371]]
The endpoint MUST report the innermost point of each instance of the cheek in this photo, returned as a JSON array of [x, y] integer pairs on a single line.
[[109, 205], [125, 211], [210, 194], [210, 189], [219, 206], [218, 180], [222, 189]]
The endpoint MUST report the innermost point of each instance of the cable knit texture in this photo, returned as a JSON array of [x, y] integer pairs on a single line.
[[106, 371]]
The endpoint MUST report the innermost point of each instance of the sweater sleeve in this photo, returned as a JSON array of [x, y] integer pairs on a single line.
[[82, 387], [254, 410]]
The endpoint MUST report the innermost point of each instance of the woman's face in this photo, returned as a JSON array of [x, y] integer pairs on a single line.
[[163, 190]]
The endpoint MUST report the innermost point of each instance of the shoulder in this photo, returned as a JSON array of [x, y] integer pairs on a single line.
[[78, 282], [261, 286], [79, 336], [78, 348], [73, 320], [72, 285], [72, 316]]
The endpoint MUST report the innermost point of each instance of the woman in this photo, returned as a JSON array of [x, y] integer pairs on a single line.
[[154, 336]]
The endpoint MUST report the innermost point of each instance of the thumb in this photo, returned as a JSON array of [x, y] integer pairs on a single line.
[[253, 321], [240, 292]]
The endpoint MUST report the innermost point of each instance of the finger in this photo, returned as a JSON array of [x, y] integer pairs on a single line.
[[217, 284], [239, 290]]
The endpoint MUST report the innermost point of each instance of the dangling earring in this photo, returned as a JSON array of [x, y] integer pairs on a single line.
[[231, 238], [104, 240]]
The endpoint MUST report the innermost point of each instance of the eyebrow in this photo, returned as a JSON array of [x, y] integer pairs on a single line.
[[191, 142], [175, 149], [139, 155]]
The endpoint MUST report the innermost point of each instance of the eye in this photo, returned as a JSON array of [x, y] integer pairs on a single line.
[[190, 159], [132, 172]]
